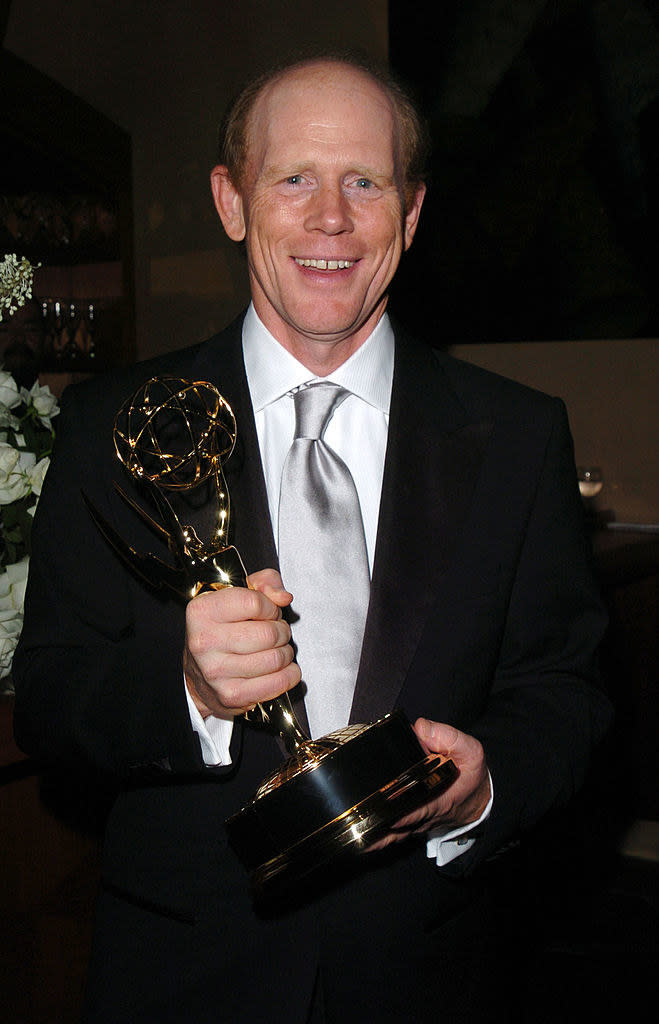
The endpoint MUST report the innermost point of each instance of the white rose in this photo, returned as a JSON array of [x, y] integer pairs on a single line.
[[7, 419], [15, 469], [13, 582], [5, 598], [11, 623], [9, 394], [43, 402], [37, 475]]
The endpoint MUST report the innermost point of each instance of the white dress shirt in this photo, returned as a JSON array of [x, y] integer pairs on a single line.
[[358, 434]]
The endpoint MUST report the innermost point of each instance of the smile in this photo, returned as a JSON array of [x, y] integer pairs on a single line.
[[325, 264]]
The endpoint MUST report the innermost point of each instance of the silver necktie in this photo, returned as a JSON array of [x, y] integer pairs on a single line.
[[323, 560]]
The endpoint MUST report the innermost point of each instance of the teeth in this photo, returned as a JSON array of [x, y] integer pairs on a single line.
[[325, 264]]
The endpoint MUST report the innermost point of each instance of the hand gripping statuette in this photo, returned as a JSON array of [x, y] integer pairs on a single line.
[[333, 795]]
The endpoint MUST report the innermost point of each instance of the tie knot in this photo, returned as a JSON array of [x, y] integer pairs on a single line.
[[314, 406]]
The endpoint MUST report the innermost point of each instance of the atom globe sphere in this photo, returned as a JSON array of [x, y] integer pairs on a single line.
[[175, 433]]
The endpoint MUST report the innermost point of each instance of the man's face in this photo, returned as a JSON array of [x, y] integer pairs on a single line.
[[320, 211]]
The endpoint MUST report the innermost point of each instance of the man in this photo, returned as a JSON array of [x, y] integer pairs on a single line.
[[481, 624]]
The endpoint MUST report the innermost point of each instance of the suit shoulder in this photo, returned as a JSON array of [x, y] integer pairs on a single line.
[[117, 385], [481, 392], [492, 393], [106, 392]]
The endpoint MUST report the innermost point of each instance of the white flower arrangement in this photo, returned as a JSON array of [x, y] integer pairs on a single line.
[[26, 441], [15, 282]]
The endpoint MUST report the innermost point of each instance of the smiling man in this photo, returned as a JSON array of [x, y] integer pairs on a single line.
[[320, 205], [459, 591]]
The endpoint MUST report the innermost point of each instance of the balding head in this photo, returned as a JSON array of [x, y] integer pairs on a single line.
[[409, 141]]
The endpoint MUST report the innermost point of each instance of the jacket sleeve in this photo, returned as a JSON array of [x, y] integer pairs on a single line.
[[545, 713]]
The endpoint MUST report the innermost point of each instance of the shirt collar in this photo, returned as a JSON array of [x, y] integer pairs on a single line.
[[272, 371]]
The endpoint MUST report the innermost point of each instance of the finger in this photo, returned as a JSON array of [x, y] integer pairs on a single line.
[[467, 796], [268, 582], [417, 821], [235, 683], [465, 751], [253, 636], [437, 737], [381, 844], [240, 695], [233, 604], [388, 840], [220, 664]]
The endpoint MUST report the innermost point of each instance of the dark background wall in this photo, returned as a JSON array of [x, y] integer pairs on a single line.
[[542, 216]]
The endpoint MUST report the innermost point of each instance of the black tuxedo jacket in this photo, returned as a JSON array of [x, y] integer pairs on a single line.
[[483, 614]]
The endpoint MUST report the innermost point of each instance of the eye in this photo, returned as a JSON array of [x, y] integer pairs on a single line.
[[364, 183], [294, 179]]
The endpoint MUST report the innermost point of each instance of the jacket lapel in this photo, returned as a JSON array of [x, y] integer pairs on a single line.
[[433, 456]]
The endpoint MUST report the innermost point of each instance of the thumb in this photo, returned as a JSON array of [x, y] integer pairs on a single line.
[[437, 737], [268, 582]]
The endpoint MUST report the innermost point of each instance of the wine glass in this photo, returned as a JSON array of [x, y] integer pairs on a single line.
[[591, 481]]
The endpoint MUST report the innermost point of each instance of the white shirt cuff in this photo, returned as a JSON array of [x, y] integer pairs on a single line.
[[214, 735], [445, 843]]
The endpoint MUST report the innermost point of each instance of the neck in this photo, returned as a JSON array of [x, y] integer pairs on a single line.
[[321, 359], [321, 354]]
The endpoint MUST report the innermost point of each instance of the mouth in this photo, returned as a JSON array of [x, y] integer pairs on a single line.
[[325, 264]]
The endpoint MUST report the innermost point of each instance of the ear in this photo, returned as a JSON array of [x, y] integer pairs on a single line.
[[228, 203], [412, 215]]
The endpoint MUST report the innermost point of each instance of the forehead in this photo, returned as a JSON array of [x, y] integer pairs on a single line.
[[324, 110]]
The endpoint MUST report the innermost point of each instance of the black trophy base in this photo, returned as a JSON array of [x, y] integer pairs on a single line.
[[335, 796]]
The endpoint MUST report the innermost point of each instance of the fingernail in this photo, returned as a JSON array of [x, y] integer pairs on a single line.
[[424, 728]]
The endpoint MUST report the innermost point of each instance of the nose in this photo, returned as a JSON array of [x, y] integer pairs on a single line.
[[328, 211]]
